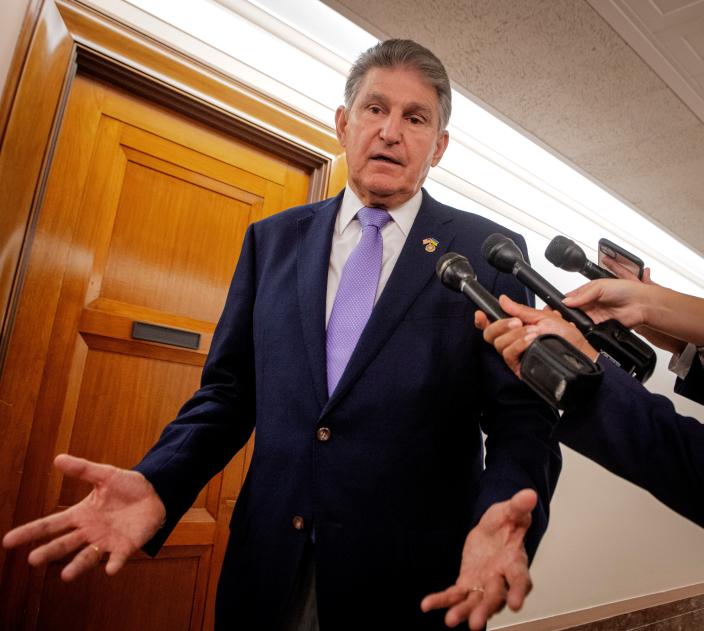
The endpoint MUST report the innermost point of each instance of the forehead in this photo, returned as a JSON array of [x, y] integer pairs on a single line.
[[399, 85]]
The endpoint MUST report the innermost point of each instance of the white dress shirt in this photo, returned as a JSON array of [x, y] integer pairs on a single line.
[[348, 232], [680, 363]]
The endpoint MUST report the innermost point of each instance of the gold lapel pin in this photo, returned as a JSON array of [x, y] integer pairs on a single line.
[[430, 244]]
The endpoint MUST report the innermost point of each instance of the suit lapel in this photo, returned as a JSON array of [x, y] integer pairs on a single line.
[[414, 268], [313, 259]]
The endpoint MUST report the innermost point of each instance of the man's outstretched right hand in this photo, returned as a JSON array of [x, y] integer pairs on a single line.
[[116, 518]]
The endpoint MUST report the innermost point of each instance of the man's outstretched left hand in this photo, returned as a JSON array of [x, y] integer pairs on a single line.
[[494, 569]]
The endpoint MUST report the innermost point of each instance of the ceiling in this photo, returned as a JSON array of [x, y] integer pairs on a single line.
[[615, 87]]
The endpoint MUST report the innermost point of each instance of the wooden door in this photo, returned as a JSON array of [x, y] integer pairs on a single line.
[[143, 219]]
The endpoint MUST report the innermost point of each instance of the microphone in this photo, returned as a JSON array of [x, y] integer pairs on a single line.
[[557, 371], [507, 257], [610, 337], [455, 272], [566, 254]]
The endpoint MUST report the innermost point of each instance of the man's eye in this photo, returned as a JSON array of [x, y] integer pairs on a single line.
[[415, 120], [374, 109]]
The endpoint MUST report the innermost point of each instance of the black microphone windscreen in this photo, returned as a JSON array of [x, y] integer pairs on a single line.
[[452, 268], [566, 254], [444, 261], [501, 252]]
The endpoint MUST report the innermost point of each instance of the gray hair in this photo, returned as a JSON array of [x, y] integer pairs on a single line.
[[394, 53]]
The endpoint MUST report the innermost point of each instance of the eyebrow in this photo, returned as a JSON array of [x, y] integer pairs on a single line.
[[413, 106]]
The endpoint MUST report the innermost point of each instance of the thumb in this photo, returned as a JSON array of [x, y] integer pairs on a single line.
[[521, 505], [480, 320], [582, 295], [83, 469], [526, 314]]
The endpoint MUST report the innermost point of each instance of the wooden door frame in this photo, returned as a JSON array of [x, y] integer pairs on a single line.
[[68, 37]]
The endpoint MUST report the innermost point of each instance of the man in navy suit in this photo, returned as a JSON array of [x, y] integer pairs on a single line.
[[364, 486]]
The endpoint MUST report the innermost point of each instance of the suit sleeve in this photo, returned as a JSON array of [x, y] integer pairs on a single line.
[[520, 450], [218, 419], [638, 436]]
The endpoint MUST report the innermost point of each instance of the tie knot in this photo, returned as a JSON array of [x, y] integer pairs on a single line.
[[376, 217]]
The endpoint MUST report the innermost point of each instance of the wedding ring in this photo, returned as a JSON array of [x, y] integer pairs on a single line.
[[476, 588], [96, 548]]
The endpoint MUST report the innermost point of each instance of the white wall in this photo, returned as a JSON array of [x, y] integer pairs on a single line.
[[12, 14]]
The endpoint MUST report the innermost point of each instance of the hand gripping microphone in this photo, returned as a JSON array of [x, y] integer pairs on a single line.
[[610, 337], [561, 374], [566, 254]]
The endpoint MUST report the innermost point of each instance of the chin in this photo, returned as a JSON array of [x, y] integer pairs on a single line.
[[381, 187]]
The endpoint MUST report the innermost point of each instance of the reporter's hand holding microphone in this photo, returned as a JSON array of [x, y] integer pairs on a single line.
[[557, 371], [512, 336], [666, 318], [635, 434], [619, 424]]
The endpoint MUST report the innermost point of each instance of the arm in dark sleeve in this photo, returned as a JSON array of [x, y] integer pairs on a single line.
[[219, 418], [520, 450], [692, 386], [638, 436]]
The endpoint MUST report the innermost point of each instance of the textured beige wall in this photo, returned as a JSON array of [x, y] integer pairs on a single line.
[[557, 70], [12, 14]]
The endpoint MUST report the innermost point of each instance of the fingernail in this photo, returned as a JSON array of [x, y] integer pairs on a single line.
[[514, 323], [530, 337]]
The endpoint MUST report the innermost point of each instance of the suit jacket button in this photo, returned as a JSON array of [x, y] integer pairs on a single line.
[[323, 434], [298, 522]]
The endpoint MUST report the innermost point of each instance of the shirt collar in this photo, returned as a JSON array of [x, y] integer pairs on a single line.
[[403, 215]]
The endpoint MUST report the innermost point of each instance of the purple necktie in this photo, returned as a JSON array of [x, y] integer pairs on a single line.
[[354, 300]]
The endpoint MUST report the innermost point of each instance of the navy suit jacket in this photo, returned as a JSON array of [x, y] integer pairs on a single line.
[[638, 435], [396, 488]]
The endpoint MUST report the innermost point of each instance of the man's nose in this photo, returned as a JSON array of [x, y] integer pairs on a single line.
[[390, 131]]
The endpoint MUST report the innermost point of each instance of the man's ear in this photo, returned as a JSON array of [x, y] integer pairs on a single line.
[[440, 146], [341, 124]]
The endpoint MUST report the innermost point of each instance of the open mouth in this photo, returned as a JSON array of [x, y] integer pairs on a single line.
[[385, 158]]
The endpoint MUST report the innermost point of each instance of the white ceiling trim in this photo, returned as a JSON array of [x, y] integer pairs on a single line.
[[668, 38]]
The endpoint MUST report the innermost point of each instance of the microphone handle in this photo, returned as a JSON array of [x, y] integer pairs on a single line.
[[552, 296], [595, 272], [484, 300]]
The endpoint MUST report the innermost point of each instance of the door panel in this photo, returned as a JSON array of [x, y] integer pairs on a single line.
[[145, 213], [199, 237], [122, 404], [133, 599]]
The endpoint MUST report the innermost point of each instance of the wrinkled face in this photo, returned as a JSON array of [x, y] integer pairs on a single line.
[[391, 135]]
